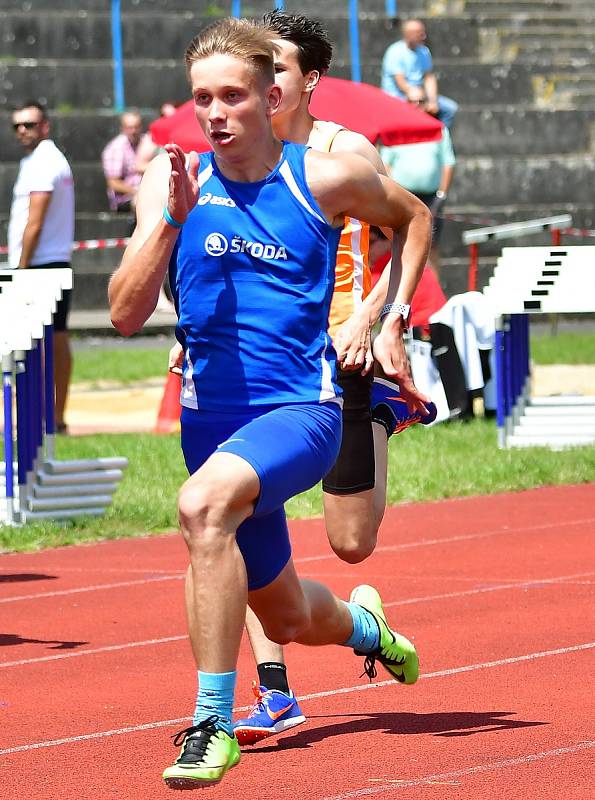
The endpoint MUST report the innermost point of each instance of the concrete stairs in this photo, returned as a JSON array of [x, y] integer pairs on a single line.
[[523, 72]]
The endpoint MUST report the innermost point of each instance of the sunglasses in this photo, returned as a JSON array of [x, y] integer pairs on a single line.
[[27, 125]]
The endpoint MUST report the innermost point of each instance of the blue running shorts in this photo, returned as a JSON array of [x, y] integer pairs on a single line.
[[290, 448]]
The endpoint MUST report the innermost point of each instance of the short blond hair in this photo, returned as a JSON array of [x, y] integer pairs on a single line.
[[239, 38]]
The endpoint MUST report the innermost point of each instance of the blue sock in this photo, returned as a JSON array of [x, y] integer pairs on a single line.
[[366, 634], [215, 696]]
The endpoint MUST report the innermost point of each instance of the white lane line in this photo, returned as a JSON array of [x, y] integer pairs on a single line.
[[464, 537], [390, 785], [93, 651], [409, 601], [314, 696], [101, 569], [95, 588], [483, 590], [306, 559]]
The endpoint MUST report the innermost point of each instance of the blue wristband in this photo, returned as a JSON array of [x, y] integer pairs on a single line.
[[170, 220]]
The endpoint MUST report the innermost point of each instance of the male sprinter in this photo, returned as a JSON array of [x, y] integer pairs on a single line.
[[262, 421], [354, 491]]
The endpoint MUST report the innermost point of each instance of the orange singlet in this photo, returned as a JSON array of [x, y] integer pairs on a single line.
[[353, 279]]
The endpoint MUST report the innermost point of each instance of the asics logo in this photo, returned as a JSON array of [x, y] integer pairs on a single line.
[[215, 200]]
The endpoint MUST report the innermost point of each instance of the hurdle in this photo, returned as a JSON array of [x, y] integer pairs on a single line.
[[476, 236], [529, 281], [46, 488]]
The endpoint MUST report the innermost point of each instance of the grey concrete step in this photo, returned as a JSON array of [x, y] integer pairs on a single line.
[[556, 178], [217, 9], [512, 130], [503, 21], [152, 35], [467, 81], [579, 29], [498, 45], [577, 51], [532, 7], [68, 85], [583, 80], [212, 9]]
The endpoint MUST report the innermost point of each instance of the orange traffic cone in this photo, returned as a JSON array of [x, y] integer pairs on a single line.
[[168, 418]]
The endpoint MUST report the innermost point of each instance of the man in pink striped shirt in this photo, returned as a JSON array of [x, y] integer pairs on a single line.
[[119, 163]]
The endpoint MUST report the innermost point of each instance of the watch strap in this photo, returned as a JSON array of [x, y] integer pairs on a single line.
[[396, 308]]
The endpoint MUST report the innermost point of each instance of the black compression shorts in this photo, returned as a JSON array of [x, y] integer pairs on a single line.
[[354, 469]]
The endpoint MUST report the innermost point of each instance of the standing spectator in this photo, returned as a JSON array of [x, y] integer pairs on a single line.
[[407, 64], [119, 163], [426, 169], [41, 225]]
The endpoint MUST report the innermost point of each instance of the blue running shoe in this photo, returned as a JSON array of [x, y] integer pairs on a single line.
[[390, 410], [273, 712]]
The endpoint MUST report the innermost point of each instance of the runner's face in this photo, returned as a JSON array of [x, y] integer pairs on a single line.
[[291, 79], [288, 76], [231, 102]]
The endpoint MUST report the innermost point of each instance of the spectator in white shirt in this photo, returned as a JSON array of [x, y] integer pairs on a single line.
[[41, 225]]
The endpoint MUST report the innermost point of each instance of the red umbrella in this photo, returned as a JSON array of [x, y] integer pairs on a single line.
[[360, 107], [181, 128], [367, 109]]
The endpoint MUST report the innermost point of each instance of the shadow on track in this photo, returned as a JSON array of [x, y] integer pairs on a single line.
[[453, 723], [12, 639], [26, 577]]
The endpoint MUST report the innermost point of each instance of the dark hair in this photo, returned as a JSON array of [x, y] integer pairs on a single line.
[[315, 50], [32, 104]]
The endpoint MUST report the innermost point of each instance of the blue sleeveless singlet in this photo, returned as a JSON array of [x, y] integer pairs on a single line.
[[252, 276]]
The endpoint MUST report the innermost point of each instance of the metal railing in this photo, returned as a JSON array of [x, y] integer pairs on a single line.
[[474, 237]]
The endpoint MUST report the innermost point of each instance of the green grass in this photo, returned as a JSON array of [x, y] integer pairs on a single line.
[[424, 464], [563, 348], [128, 366], [125, 366]]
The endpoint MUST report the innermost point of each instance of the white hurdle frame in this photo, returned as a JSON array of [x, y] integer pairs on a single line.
[[476, 236], [47, 488], [529, 281]]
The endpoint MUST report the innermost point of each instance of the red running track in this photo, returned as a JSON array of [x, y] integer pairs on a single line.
[[96, 672]]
